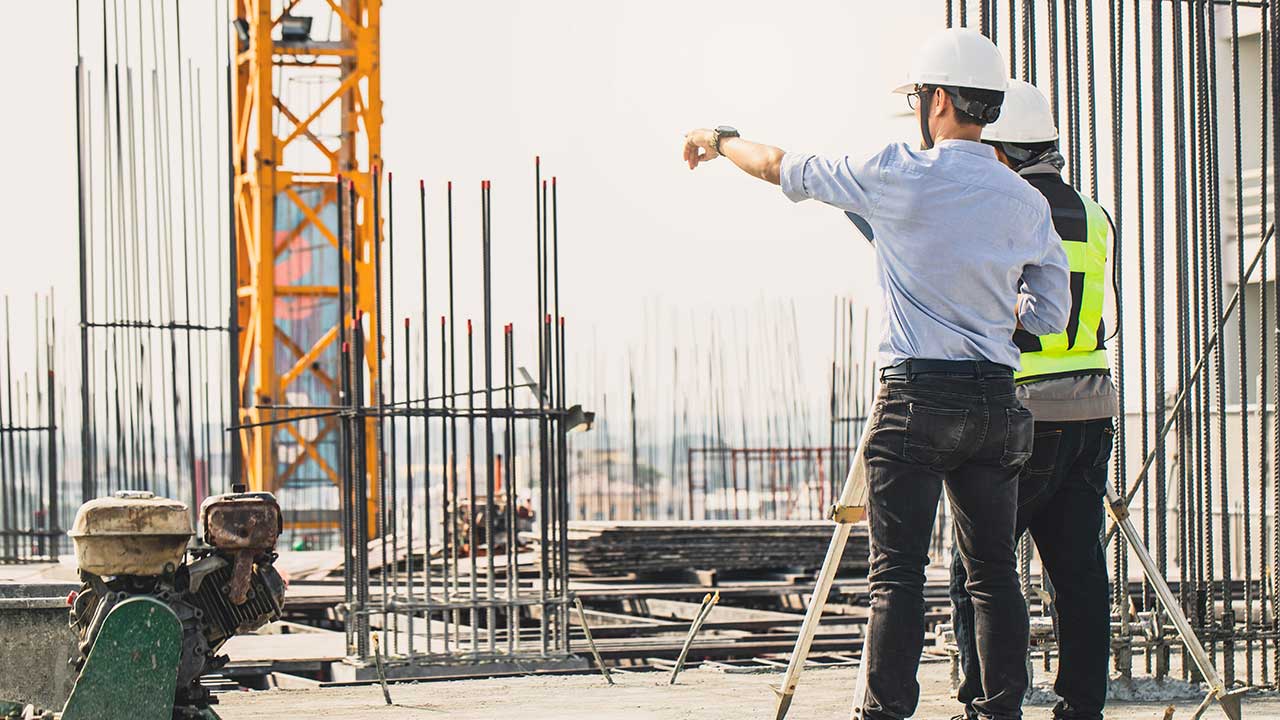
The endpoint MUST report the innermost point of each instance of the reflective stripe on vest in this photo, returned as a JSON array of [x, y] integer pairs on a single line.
[[1084, 229]]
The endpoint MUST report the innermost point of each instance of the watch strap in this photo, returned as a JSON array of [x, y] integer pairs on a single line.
[[722, 132]]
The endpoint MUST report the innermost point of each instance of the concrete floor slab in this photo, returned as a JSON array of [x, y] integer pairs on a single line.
[[700, 695]]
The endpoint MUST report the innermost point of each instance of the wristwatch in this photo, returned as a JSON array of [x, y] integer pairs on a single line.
[[724, 131]]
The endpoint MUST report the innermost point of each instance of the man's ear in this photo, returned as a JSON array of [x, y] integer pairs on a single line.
[[941, 104]]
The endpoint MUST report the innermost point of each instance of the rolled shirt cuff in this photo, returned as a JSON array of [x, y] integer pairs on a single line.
[[791, 176]]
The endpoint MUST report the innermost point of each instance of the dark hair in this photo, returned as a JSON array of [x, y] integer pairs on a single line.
[[974, 106]]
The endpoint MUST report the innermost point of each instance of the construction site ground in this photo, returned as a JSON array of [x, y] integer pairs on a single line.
[[699, 694]]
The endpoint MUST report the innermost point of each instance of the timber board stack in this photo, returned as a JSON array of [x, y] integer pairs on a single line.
[[651, 547]]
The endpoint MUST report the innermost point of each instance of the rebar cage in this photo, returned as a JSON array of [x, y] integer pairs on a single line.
[[466, 559], [1166, 113]]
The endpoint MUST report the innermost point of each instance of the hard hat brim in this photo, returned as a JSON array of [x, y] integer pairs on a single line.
[[906, 89], [1021, 139]]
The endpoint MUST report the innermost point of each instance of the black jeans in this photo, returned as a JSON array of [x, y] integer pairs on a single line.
[[971, 434], [1060, 502]]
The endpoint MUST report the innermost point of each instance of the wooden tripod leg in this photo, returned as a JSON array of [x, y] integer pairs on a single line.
[[812, 616], [850, 509], [860, 686]]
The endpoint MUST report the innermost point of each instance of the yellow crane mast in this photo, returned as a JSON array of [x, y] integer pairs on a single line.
[[305, 113]]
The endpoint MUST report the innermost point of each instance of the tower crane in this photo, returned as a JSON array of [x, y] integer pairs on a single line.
[[306, 114]]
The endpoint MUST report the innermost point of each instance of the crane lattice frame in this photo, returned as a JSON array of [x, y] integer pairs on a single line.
[[264, 126]]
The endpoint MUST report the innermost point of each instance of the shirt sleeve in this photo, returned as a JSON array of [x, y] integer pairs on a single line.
[[1044, 298], [842, 182]]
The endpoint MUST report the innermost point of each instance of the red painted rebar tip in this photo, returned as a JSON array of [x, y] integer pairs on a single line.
[[561, 321], [468, 326], [441, 321], [345, 346], [388, 176], [450, 184], [422, 184], [544, 184], [548, 318], [406, 322], [537, 159], [553, 181]]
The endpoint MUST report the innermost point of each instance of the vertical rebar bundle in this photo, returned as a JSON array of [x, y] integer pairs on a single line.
[[1188, 92], [468, 476], [35, 501], [150, 180]]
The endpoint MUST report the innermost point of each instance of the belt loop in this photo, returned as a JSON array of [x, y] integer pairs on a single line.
[[977, 369], [910, 375]]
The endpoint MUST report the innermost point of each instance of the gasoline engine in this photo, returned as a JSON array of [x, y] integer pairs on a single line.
[[135, 545]]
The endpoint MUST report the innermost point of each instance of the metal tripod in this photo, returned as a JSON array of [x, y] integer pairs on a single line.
[[1229, 699]]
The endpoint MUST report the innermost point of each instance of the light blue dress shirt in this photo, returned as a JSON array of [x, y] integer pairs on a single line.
[[958, 238]]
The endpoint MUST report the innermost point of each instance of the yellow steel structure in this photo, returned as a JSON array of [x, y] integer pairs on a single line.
[[265, 126]]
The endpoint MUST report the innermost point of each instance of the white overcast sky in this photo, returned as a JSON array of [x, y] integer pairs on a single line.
[[603, 91]]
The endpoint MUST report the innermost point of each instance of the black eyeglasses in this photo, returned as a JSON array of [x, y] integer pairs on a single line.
[[913, 98]]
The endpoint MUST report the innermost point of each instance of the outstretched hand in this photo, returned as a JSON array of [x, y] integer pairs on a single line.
[[699, 147], [755, 159]]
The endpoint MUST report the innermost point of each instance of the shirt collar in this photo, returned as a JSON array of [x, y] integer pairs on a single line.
[[1040, 169], [969, 146]]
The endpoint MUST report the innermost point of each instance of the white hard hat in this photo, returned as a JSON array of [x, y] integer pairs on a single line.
[[958, 57], [1025, 116]]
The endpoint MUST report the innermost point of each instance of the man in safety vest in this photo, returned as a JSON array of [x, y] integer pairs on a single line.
[[965, 251], [1065, 382]]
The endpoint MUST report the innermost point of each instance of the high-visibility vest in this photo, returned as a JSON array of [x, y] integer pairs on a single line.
[[1084, 229]]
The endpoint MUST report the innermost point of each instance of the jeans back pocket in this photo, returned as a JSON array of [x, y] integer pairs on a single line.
[[1019, 437], [933, 433], [1037, 474]]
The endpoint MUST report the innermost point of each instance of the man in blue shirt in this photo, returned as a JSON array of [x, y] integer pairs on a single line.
[[966, 252]]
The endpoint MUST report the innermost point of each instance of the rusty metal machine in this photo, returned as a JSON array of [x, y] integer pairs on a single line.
[[155, 608]]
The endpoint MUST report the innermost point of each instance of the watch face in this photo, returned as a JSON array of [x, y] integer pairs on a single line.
[[727, 131]]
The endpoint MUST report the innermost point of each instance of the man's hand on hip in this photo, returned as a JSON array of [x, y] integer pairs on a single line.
[[699, 147]]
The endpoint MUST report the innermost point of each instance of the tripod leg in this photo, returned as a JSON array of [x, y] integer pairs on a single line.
[[860, 686], [1230, 700], [849, 510], [812, 616]]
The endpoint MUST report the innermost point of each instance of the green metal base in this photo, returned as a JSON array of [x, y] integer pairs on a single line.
[[132, 668]]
